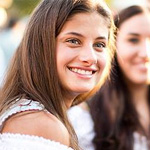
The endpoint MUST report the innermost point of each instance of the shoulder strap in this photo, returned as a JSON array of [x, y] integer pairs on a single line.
[[20, 106]]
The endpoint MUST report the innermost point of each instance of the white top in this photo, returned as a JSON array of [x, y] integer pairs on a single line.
[[10, 141], [83, 124]]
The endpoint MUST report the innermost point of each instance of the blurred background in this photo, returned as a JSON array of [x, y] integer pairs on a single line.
[[14, 16]]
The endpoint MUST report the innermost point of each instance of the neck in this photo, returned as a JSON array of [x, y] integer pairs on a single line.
[[68, 102], [140, 100], [139, 92], [69, 98]]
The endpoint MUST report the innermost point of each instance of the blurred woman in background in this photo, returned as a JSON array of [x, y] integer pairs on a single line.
[[121, 111]]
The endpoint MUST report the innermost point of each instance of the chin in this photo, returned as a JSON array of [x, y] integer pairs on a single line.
[[142, 82], [83, 90]]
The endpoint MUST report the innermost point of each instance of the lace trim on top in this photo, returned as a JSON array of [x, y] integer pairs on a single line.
[[20, 106], [28, 142], [21, 141]]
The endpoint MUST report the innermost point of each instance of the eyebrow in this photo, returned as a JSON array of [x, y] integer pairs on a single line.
[[134, 34], [80, 35]]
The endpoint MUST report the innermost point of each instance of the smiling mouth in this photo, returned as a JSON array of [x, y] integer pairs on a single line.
[[82, 71]]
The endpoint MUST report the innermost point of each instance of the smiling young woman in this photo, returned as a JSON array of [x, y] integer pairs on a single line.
[[63, 58]]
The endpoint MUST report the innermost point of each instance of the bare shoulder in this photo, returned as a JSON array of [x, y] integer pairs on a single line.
[[39, 124]]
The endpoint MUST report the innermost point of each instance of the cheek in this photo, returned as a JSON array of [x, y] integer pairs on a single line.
[[61, 55], [125, 50], [102, 60], [122, 48], [126, 56], [125, 65]]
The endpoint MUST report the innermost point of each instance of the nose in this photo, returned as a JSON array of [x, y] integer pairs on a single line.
[[88, 55], [145, 50]]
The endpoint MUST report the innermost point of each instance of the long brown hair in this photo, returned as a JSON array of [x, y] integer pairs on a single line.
[[33, 71], [113, 112]]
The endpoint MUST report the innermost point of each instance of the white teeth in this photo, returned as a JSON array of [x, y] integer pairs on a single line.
[[88, 72], [80, 71]]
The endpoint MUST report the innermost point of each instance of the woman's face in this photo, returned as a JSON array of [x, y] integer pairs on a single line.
[[133, 48], [82, 52]]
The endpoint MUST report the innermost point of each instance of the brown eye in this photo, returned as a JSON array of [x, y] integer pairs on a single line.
[[134, 40], [100, 45], [73, 41]]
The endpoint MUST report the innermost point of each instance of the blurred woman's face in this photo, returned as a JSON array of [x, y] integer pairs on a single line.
[[133, 48]]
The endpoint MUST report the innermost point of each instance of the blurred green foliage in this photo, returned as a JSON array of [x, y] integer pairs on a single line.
[[22, 8], [108, 2]]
